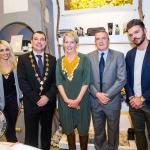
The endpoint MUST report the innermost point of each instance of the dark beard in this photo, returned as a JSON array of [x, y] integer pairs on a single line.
[[142, 40]]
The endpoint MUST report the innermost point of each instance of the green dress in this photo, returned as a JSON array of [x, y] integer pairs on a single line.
[[69, 117]]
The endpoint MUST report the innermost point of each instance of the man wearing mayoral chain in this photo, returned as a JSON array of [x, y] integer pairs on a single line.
[[36, 73]]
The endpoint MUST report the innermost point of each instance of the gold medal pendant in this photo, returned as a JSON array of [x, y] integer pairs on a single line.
[[41, 82]]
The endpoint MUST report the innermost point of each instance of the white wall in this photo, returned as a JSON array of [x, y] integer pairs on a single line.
[[100, 19]]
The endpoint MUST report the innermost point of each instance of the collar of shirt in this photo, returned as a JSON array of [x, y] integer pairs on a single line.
[[42, 54], [104, 56]]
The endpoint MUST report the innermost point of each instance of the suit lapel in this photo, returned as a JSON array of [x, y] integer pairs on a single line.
[[147, 56], [96, 61], [44, 64], [132, 58], [108, 60]]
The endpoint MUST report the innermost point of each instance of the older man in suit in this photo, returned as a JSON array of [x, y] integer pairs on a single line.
[[138, 81], [36, 74], [109, 76]]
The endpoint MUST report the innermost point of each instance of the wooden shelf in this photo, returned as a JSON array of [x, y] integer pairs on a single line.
[[19, 53], [89, 40]]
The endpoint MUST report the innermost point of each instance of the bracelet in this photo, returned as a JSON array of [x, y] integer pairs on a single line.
[[131, 97]]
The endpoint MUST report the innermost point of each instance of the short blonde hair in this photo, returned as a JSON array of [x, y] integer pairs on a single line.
[[72, 35], [11, 60]]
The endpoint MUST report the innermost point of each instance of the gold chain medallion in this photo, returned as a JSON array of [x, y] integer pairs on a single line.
[[69, 67], [37, 75]]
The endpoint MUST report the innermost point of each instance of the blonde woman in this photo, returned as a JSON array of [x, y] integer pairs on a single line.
[[10, 94], [73, 76]]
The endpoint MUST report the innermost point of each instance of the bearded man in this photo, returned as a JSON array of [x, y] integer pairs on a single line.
[[138, 81]]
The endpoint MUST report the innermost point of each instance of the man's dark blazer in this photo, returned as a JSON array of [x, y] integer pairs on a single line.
[[145, 75], [30, 85]]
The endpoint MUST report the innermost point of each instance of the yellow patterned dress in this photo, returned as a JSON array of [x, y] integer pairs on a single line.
[[72, 77]]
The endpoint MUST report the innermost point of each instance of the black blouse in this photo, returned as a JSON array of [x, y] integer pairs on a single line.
[[9, 85]]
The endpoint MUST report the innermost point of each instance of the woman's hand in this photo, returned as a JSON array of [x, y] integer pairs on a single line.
[[74, 104]]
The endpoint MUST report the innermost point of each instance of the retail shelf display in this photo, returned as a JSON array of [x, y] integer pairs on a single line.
[[89, 40]]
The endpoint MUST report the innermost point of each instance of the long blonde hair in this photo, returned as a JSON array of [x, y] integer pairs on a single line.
[[11, 60]]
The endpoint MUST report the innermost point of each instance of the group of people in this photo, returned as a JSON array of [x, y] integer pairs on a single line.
[[85, 84]]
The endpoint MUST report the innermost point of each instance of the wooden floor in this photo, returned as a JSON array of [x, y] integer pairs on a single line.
[[54, 148]]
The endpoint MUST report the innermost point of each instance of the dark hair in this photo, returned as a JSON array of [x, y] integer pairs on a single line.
[[40, 32], [135, 22]]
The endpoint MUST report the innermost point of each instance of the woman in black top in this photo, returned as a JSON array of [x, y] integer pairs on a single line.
[[10, 93]]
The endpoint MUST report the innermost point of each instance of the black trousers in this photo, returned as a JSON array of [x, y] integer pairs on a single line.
[[32, 120], [11, 113], [139, 118]]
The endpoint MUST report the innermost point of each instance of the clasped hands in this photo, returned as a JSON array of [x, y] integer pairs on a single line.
[[43, 101], [102, 97], [136, 103], [73, 103]]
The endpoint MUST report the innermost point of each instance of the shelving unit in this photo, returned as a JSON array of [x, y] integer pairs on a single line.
[[89, 40], [19, 53]]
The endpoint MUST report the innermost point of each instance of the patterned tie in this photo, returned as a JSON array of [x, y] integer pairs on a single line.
[[101, 69], [40, 64]]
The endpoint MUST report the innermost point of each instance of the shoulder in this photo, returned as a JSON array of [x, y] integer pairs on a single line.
[[50, 56], [92, 53], [130, 52], [24, 56], [15, 69], [115, 52], [84, 56], [52, 59], [59, 59]]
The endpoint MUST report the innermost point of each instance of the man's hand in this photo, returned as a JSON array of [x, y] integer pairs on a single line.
[[43, 101], [102, 97], [136, 103]]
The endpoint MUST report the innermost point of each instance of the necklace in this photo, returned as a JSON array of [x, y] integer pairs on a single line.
[[69, 67], [7, 75], [37, 75]]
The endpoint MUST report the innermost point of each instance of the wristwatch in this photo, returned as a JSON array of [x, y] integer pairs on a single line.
[[142, 99]]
